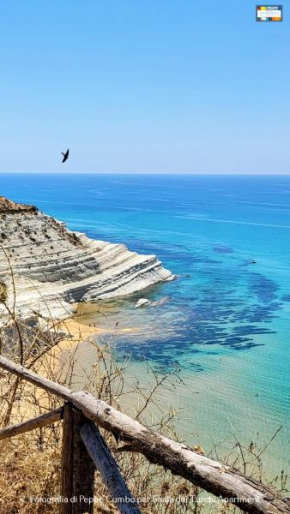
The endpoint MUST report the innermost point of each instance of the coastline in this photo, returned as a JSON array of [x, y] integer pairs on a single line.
[[76, 333], [47, 268], [226, 324], [53, 365]]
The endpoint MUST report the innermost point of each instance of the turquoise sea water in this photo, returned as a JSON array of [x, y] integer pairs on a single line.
[[226, 322]]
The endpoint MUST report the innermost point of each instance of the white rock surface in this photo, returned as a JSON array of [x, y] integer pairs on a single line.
[[55, 268], [143, 302]]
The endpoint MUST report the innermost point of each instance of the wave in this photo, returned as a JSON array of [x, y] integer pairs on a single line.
[[234, 222]]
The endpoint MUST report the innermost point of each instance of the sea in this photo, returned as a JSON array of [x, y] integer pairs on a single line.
[[223, 325]]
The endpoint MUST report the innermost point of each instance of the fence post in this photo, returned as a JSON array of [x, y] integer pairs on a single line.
[[77, 467]]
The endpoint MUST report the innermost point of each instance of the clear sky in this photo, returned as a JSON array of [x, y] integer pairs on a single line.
[[145, 86]]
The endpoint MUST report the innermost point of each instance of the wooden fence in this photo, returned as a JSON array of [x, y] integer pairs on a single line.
[[84, 449]]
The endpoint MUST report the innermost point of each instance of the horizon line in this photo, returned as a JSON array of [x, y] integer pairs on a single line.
[[145, 173]]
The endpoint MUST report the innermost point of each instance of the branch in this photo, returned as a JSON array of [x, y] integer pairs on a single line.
[[223, 481]]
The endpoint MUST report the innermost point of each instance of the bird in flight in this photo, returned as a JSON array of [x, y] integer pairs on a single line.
[[65, 155]]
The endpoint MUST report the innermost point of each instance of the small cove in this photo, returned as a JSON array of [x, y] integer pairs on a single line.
[[225, 324]]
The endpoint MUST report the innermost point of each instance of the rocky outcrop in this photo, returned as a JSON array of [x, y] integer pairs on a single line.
[[9, 207], [52, 268]]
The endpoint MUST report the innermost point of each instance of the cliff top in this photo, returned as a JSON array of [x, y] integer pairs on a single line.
[[8, 206]]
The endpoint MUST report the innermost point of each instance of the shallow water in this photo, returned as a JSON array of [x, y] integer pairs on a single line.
[[226, 320]]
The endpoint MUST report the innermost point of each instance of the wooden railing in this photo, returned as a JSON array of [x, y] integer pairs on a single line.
[[84, 449]]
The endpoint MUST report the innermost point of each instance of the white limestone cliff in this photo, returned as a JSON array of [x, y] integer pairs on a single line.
[[54, 268]]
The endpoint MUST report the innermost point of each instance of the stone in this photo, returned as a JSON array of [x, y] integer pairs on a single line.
[[143, 302]]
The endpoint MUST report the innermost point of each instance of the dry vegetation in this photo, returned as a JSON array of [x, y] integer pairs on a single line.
[[30, 463]]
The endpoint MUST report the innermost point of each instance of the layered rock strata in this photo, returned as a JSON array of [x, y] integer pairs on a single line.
[[45, 267]]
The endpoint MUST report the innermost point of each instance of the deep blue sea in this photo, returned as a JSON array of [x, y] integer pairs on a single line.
[[226, 322]]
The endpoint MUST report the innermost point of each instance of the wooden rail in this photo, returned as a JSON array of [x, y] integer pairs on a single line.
[[83, 446], [32, 424]]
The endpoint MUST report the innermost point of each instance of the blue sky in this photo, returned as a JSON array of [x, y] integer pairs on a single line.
[[143, 86]]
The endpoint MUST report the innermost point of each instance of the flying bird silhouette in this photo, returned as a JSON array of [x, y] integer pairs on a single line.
[[65, 155]]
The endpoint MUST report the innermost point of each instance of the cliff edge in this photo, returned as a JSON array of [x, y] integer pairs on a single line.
[[54, 268]]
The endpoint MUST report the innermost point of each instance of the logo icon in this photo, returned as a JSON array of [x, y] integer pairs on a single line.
[[269, 13]]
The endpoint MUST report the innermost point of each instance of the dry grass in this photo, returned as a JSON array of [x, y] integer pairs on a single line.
[[29, 468], [30, 463]]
